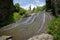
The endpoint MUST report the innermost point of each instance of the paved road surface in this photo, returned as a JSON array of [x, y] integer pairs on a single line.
[[28, 27]]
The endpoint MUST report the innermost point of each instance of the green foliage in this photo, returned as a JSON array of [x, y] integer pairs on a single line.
[[38, 9], [43, 8], [33, 10], [54, 28], [28, 12], [25, 15], [30, 7], [13, 17], [8, 21], [22, 11], [17, 6], [16, 16]]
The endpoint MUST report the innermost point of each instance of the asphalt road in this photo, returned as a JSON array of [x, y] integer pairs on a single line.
[[25, 28]]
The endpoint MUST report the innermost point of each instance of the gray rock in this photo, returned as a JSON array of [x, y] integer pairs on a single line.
[[42, 37]]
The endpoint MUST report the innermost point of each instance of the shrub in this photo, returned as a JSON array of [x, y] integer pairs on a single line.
[[16, 16], [54, 28]]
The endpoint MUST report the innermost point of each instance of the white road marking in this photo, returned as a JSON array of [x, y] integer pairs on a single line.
[[15, 25], [42, 25]]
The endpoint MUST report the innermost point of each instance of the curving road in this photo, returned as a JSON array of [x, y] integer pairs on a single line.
[[26, 28]]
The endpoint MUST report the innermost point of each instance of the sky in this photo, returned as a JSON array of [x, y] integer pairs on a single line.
[[26, 3]]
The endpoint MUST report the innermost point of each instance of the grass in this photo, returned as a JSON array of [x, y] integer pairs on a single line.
[[54, 28]]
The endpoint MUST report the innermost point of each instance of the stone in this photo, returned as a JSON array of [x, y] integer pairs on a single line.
[[6, 37], [42, 37]]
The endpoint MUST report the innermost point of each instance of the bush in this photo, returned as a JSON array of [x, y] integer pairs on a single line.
[[16, 16], [22, 11], [9, 20], [54, 28]]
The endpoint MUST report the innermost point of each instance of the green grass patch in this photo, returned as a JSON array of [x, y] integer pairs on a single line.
[[54, 28]]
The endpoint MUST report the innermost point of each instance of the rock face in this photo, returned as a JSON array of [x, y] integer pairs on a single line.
[[42, 37], [6, 8]]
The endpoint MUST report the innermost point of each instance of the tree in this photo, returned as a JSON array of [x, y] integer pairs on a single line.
[[38, 9], [30, 7], [43, 8], [48, 5], [6, 9], [33, 9], [17, 7], [22, 11]]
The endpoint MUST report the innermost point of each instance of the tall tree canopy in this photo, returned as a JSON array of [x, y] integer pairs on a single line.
[[17, 6], [6, 9]]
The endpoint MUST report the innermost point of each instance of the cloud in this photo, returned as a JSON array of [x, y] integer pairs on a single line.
[[37, 1], [32, 6], [26, 3], [27, 6], [40, 2]]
